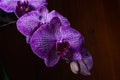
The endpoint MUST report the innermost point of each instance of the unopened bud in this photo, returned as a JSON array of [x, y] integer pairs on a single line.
[[74, 67], [84, 70]]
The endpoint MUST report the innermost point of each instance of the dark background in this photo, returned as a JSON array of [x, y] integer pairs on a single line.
[[97, 20]]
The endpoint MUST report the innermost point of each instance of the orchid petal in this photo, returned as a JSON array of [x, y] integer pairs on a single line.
[[38, 3], [31, 21], [43, 11], [8, 5], [54, 13], [76, 56], [72, 36], [28, 23], [42, 41], [52, 58]]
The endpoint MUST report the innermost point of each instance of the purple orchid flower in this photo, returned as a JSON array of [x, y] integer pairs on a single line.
[[49, 34], [53, 41], [51, 38], [30, 22], [21, 7]]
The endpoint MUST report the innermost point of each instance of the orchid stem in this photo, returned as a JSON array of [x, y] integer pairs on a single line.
[[4, 25]]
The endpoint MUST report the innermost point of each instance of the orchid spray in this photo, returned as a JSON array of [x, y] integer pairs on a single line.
[[49, 34]]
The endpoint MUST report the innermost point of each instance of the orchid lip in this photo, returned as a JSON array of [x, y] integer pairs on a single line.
[[23, 7], [62, 48]]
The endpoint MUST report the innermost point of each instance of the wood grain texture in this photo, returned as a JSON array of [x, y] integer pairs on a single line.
[[97, 20]]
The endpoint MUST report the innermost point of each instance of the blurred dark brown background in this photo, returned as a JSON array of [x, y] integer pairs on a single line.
[[97, 20]]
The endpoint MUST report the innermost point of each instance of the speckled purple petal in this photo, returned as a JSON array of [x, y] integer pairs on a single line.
[[31, 21], [54, 13], [38, 3], [55, 23], [43, 11], [73, 55], [28, 23], [42, 41], [52, 59], [76, 56], [86, 62], [72, 36], [8, 5]]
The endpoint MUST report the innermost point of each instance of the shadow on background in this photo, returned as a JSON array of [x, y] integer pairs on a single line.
[[97, 20]]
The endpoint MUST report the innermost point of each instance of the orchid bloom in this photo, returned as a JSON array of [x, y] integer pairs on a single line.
[[50, 36], [53, 41], [21, 7], [30, 22]]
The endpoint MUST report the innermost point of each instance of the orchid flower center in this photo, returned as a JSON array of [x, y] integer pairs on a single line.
[[23, 7], [63, 48]]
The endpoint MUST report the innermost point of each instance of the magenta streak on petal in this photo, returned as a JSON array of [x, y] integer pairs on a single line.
[[62, 47], [39, 24], [32, 32]]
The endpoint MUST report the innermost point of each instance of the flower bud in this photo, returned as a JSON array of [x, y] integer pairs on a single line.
[[74, 67]]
